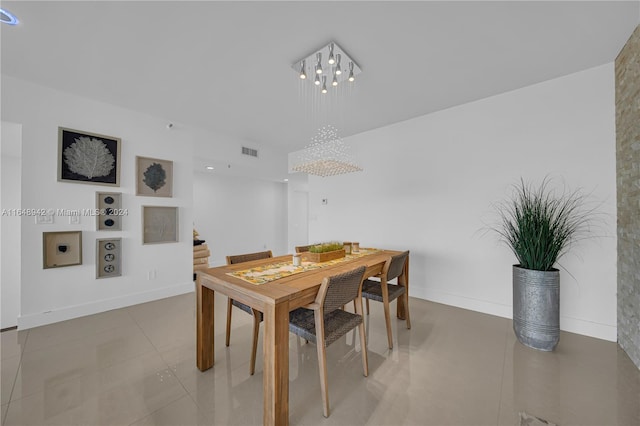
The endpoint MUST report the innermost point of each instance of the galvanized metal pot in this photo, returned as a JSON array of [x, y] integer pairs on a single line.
[[536, 307]]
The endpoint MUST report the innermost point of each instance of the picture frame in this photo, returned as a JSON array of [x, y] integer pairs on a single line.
[[154, 177], [108, 257], [75, 146], [109, 211], [160, 224], [63, 248]]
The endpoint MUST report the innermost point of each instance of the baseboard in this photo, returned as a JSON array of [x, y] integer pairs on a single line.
[[477, 305], [70, 312], [572, 325]]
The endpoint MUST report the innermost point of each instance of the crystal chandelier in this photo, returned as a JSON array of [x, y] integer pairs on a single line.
[[329, 65], [326, 155]]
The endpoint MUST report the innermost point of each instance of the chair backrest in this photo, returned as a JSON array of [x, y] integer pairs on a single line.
[[396, 265], [340, 289], [239, 258], [302, 249]]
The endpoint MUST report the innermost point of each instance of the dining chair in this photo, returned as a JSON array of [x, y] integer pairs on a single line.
[[323, 322], [385, 292], [257, 315], [302, 249]]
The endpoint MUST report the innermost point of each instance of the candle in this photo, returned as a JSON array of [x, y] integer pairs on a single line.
[[347, 247]]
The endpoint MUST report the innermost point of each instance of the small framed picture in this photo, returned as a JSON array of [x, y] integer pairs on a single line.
[[159, 225], [108, 258], [61, 249], [109, 211], [154, 177], [85, 157]]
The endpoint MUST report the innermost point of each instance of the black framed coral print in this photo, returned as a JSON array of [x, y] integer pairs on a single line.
[[85, 157]]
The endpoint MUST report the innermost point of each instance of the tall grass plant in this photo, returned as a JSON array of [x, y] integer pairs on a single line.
[[539, 225]]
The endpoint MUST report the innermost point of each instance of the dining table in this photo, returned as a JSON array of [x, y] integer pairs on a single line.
[[275, 298]]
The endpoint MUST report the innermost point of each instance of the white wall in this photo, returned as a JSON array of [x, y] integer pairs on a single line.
[[429, 183], [10, 177], [239, 215], [49, 295]]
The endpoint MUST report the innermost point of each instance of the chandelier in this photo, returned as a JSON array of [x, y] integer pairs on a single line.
[[326, 155], [327, 66]]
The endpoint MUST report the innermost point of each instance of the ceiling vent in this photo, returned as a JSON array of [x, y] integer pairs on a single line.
[[250, 151]]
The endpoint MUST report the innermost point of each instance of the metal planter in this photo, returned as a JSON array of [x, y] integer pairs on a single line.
[[536, 307]]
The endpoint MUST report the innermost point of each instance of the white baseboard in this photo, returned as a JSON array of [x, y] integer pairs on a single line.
[[572, 325], [70, 312]]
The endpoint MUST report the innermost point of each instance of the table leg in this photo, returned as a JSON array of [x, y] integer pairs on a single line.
[[276, 364], [204, 326], [403, 279]]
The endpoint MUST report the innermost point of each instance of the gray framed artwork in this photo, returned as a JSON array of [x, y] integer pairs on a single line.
[[109, 211], [85, 157], [159, 224], [61, 249], [154, 177], [108, 257]]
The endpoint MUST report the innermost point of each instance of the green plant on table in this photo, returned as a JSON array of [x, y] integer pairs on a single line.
[[326, 247]]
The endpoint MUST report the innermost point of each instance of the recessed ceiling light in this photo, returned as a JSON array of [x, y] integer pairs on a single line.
[[209, 167], [7, 17], [286, 180]]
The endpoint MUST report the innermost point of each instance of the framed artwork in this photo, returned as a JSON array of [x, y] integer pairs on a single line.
[[159, 224], [108, 258], [154, 177], [61, 249], [85, 157], [109, 211]]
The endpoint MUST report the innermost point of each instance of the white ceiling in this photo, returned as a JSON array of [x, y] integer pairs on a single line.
[[226, 66]]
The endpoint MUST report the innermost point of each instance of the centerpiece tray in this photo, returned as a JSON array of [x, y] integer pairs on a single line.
[[323, 257]]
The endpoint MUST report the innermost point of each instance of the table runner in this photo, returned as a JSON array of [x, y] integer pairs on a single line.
[[273, 271]]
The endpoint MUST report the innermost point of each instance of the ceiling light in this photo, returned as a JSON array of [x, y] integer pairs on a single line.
[[331, 59], [326, 155], [319, 63], [303, 74], [351, 77], [286, 180], [324, 84], [7, 17], [209, 167]]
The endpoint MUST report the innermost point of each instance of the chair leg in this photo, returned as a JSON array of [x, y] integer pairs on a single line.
[[387, 318], [322, 362], [367, 306], [363, 339], [229, 307], [363, 348], [406, 310], [256, 329]]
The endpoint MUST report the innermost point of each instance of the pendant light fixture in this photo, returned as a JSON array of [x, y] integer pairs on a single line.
[[332, 66]]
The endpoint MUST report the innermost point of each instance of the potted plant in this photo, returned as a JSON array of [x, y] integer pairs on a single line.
[[539, 225], [324, 252]]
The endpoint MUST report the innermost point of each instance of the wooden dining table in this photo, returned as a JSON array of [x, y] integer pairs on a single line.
[[275, 299]]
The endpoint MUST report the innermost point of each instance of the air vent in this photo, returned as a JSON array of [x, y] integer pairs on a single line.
[[250, 151]]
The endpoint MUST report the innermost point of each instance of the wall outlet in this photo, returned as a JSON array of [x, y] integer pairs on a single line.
[[151, 275]]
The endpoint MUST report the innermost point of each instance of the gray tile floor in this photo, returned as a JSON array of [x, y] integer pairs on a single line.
[[136, 366]]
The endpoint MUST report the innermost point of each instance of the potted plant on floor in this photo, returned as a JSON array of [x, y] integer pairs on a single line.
[[539, 225]]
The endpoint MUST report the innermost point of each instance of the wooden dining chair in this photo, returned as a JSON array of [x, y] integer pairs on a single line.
[[257, 315], [385, 292], [302, 249], [323, 322]]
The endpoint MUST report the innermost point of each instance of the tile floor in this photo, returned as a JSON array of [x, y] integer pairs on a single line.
[[136, 366]]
